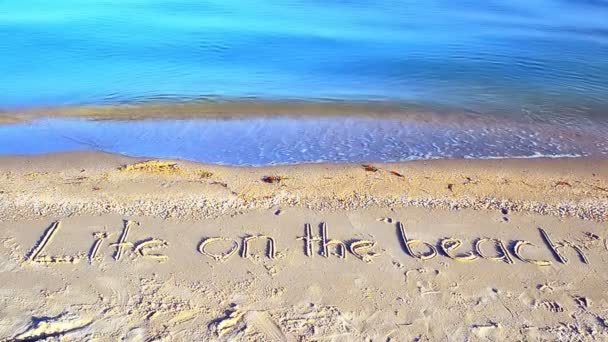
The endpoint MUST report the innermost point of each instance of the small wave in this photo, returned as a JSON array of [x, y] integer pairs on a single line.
[[297, 140]]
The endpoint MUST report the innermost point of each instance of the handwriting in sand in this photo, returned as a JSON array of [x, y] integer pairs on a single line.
[[366, 250]]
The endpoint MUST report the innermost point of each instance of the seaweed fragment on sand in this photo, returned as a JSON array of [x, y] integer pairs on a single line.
[[203, 174], [369, 168], [272, 179], [395, 173], [562, 183]]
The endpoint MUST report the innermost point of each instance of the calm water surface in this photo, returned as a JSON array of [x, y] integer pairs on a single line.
[[542, 64]]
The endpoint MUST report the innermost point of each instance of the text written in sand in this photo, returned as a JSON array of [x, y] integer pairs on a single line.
[[315, 242]]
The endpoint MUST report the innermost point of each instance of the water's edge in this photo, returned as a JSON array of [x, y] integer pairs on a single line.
[[276, 133]]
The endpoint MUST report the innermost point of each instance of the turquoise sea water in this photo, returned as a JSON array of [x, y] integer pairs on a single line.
[[538, 65]]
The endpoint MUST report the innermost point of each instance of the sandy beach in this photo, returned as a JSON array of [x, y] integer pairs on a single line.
[[132, 249], [304, 171]]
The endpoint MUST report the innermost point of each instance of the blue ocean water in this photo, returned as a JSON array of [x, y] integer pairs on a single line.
[[535, 61]]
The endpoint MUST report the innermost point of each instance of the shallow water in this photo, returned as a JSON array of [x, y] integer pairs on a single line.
[[284, 140], [539, 61]]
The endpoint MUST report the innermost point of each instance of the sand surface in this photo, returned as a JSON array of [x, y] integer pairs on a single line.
[[100, 247]]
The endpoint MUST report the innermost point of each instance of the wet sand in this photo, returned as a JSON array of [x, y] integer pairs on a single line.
[[107, 247]]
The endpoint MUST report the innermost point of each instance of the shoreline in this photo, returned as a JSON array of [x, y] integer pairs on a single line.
[[91, 183], [284, 140]]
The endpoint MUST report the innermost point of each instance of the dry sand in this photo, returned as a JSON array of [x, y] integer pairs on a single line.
[[101, 247]]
